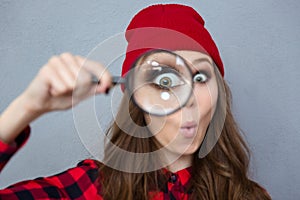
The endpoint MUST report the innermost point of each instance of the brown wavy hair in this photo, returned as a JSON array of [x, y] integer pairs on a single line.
[[221, 174]]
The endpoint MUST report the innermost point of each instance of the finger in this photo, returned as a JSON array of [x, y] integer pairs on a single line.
[[56, 84], [69, 60], [106, 79], [99, 71], [62, 71], [84, 77]]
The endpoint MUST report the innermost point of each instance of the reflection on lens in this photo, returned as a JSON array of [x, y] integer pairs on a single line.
[[165, 96], [161, 82]]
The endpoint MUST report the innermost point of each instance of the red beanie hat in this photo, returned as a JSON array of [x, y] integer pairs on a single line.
[[171, 27]]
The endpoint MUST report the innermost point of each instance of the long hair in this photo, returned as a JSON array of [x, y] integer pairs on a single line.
[[221, 174]]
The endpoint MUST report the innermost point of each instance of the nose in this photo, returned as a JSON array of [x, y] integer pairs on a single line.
[[191, 101]]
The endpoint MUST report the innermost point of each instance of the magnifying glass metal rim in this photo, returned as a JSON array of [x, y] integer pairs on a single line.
[[126, 80]]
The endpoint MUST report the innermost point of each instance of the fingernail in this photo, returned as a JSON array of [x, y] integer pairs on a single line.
[[107, 91]]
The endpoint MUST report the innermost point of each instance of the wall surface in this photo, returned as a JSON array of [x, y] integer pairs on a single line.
[[259, 43]]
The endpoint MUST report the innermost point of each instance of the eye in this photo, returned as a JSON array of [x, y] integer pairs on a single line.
[[168, 80], [200, 77]]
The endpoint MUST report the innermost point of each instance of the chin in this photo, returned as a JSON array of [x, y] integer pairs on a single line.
[[189, 151]]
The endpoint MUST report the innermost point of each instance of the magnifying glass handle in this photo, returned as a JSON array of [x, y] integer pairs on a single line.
[[115, 80], [118, 80]]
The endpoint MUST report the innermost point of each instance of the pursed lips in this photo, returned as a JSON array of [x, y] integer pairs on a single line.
[[188, 129]]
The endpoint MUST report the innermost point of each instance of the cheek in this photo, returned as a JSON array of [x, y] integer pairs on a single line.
[[206, 97], [164, 129]]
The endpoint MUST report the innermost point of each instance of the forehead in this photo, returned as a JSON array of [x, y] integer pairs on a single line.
[[195, 60], [191, 56]]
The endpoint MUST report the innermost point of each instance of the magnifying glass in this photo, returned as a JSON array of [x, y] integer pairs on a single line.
[[160, 82]]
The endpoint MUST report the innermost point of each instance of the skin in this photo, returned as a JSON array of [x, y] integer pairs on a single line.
[[65, 80], [199, 110], [61, 83]]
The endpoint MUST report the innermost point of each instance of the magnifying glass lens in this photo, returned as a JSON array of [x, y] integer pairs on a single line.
[[160, 82]]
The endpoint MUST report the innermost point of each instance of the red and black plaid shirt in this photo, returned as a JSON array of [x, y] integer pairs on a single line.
[[79, 182]]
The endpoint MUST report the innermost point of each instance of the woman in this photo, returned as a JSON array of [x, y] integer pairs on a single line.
[[201, 154]]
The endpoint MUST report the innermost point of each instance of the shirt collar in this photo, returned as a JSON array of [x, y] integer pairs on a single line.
[[184, 175]]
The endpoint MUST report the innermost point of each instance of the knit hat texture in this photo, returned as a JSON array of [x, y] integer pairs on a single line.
[[170, 27]]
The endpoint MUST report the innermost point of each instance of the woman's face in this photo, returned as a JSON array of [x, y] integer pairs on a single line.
[[183, 131]]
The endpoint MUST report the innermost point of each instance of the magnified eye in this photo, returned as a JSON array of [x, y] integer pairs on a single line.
[[167, 80], [200, 77]]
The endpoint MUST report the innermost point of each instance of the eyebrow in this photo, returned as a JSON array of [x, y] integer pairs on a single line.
[[199, 60]]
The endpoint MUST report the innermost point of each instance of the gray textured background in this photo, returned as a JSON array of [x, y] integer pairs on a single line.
[[259, 43]]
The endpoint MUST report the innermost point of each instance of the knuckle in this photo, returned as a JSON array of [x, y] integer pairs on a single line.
[[44, 70], [100, 66], [68, 89], [66, 55], [106, 75], [55, 57], [64, 89], [54, 60], [78, 57]]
